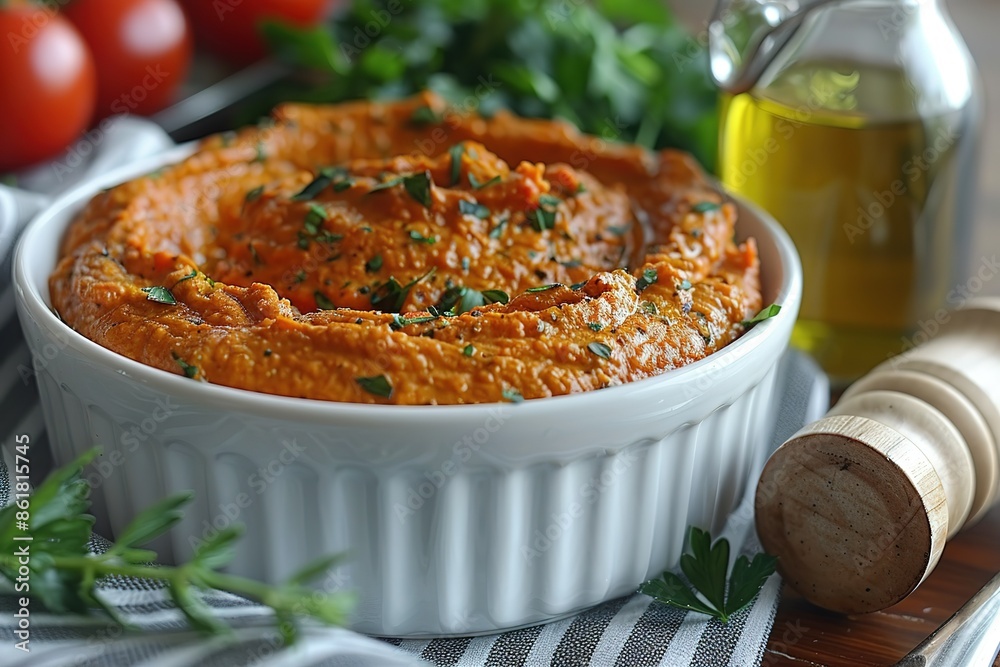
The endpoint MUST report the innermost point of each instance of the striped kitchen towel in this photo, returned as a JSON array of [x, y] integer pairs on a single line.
[[628, 631]]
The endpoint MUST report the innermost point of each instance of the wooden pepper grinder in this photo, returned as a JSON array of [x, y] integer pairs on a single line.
[[858, 505]]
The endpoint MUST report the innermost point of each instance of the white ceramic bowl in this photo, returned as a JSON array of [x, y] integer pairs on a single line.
[[458, 519]]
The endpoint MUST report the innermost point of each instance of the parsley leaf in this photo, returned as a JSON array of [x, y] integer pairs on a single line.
[[466, 207], [468, 350], [424, 116], [323, 301], [544, 217], [649, 276], [600, 349], [512, 395], [189, 369], [543, 288], [418, 186], [595, 326], [705, 567], [315, 186], [765, 314], [456, 153], [420, 238], [159, 295], [377, 385], [394, 294], [477, 185], [373, 264], [254, 194], [464, 299], [705, 207]]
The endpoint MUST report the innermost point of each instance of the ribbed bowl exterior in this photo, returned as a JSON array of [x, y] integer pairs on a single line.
[[455, 519]]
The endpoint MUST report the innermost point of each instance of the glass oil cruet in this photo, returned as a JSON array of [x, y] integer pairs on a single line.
[[855, 124]]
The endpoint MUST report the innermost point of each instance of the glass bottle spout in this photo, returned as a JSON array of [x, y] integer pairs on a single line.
[[746, 35]]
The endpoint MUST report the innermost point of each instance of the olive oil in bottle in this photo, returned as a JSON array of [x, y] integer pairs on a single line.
[[872, 189]]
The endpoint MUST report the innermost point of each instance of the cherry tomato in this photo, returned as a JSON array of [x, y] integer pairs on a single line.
[[142, 49], [228, 28], [47, 82]]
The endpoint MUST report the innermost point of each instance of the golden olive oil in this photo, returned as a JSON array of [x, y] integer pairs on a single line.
[[868, 189]]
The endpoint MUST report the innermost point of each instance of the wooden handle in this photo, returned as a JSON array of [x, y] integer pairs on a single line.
[[858, 505]]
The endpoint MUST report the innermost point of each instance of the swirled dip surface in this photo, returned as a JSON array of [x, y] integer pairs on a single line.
[[364, 252]]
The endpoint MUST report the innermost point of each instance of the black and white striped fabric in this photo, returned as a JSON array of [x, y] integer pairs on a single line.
[[628, 631]]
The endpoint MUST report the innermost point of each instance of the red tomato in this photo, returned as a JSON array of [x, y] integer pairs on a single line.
[[47, 83], [142, 49], [229, 27]]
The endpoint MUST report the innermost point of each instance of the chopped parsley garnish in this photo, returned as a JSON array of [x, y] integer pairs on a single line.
[[619, 230], [549, 201], [377, 385], [159, 295], [253, 253], [580, 188], [254, 194], [314, 187], [189, 369], [464, 299], [595, 326], [385, 185], [420, 238], [300, 276], [398, 321], [418, 186], [373, 264], [600, 349], [495, 296], [468, 350], [315, 218], [261, 152], [476, 185], [650, 307], [393, 294], [466, 263], [343, 184], [705, 207], [466, 207], [649, 277], [684, 284], [456, 153], [424, 116], [572, 263], [194, 272], [498, 230], [323, 301], [576, 286], [512, 395], [543, 288], [765, 314], [543, 217]]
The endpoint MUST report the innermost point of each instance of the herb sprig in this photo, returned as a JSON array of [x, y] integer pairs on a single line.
[[706, 567], [64, 574]]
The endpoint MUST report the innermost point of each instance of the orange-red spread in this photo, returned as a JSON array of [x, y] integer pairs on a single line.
[[406, 253]]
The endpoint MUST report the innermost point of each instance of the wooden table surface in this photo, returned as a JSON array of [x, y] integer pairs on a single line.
[[807, 636]]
